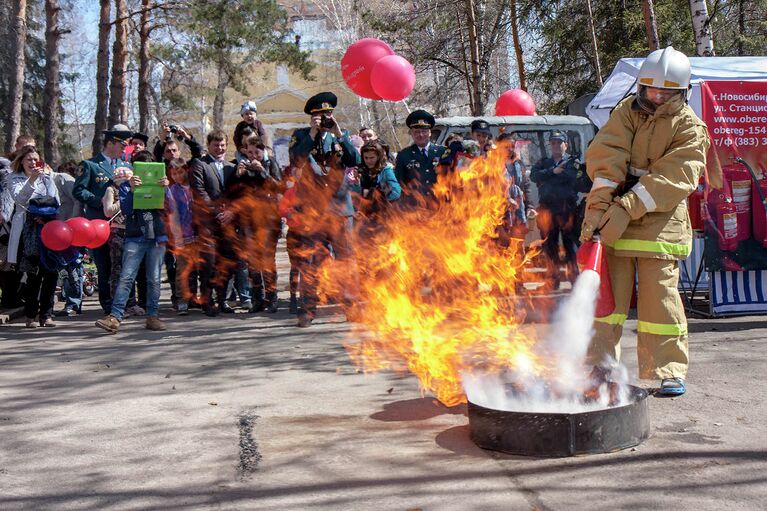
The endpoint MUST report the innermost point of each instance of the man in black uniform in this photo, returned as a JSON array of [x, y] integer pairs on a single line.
[[417, 165], [556, 177]]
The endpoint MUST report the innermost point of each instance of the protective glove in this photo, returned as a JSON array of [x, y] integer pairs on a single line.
[[614, 223], [600, 199], [597, 202], [591, 220]]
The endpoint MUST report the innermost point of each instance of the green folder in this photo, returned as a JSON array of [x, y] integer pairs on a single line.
[[149, 195]]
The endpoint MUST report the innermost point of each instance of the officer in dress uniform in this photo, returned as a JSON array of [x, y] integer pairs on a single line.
[[417, 165], [324, 204], [94, 176]]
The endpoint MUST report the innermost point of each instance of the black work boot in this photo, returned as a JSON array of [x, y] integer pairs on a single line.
[[270, 304], [293, 304]]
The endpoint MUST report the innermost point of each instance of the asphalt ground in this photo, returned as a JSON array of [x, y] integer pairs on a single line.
[[249, 412]]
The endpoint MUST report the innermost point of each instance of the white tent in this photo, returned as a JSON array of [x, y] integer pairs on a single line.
[[622, 81]]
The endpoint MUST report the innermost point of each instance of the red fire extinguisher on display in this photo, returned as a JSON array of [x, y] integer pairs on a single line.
[[758, 203], [695, 206], [722, 212], [739, 180]]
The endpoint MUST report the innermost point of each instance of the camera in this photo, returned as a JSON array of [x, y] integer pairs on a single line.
[[328, 123], [173, 128]]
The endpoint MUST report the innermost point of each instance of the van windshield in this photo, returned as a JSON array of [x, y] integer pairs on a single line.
[[533, 145]]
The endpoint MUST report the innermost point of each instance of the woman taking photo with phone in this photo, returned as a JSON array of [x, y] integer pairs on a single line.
[[36, 201]]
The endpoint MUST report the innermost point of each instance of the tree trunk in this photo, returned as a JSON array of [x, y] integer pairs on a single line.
[[741, 27], [218, 101], [517, 46], [597, 66], [52, 92], [650, 26], [16, 85], [143, 69], [704, 42], [478, 105], [102, 77], [118, 109]]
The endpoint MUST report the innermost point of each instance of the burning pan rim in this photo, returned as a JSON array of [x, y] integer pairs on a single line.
[[571, 434]]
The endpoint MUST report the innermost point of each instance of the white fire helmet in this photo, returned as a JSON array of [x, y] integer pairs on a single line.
[[665, 69]]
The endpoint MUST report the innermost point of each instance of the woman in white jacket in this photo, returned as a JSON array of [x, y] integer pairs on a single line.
[[31, 179]]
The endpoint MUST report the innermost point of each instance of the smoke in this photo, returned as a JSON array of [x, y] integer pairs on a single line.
[[563, 388]]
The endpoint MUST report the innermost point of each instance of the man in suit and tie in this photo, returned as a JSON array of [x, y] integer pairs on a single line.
[[417, 165], [94, 176], [208, 178]]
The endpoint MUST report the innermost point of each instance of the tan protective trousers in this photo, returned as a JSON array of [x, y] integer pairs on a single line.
[[661, 327]]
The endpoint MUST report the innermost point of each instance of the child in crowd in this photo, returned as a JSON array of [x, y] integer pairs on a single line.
[[145, 235], [249, 114], [178, 207], [111, 204]]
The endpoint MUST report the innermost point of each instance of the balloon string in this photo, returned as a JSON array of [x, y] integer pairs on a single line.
[[406, 106]]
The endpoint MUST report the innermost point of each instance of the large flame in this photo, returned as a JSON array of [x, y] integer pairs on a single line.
[[436, 286]]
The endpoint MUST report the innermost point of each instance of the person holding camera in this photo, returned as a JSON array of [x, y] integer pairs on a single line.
[[323, 151], [166, 149], [254, 191], [249, 114]]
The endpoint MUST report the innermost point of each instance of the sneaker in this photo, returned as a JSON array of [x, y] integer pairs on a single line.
[[154, 323], [134, 310], [66, 313], [225, 308], [671, 387], [258, 306], [182, 312], [31, 323], [109, 323], [47, 322], [247, 304]]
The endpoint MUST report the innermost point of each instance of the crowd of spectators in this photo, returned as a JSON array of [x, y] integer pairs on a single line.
[[217, 231]]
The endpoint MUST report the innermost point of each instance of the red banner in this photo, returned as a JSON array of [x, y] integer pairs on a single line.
[[736, 216]]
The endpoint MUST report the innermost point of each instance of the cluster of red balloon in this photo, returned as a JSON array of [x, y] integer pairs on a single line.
[[75, 232], [372, 70], [515, 102]]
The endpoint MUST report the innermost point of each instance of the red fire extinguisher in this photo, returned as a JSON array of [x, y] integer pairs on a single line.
[[758, 203], [591, 256], [722, 213], [739, 180], [695, 206]]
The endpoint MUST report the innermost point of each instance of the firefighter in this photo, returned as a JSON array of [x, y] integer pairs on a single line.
[[644, 163]]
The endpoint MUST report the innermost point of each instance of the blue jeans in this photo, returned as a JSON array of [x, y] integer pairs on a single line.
[[73, 286], [133, 253]]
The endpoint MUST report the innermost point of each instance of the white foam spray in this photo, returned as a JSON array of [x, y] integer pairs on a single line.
[[564, 349]]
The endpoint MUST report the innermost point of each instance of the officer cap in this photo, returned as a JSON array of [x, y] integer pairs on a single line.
[[480, 126], [420, 119], [322, 102], [140, 136], [118, 132], [558, 135]]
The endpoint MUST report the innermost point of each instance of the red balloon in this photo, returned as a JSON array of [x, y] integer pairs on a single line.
[[101, 233], [357, 64], [515, 102], [393, 78], [82, 231], [56, 235]]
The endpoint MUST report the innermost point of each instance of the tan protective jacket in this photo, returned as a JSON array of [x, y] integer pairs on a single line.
[[667, 151]]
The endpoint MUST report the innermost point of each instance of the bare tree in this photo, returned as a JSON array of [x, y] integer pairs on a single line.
[[475, 80], [651, 27], [701, 27], [144, 68], [16, 89], [517, 45], [102, 76], [118, 108], [52, 90], [597, 66]]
